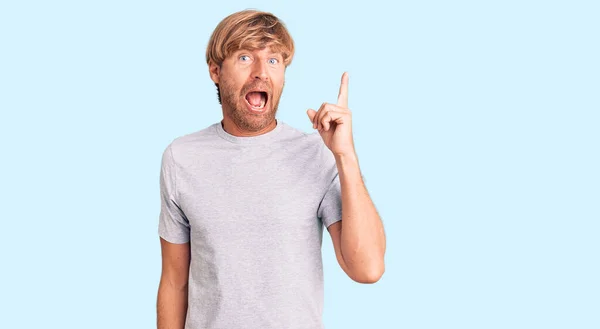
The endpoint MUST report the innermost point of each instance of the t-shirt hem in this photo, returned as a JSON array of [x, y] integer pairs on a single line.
[[173, 239]]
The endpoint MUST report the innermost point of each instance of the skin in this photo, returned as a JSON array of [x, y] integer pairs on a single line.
[[241, 72], [172, 300], [358, 239]]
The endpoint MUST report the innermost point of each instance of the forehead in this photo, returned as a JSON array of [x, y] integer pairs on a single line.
[[269, 50]]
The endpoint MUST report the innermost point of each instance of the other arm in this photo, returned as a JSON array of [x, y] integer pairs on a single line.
[[172, 300]]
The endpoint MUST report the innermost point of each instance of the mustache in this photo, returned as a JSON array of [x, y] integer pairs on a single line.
[[259, 85]]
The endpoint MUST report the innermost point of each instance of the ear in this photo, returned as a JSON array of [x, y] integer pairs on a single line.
[[215, 71]]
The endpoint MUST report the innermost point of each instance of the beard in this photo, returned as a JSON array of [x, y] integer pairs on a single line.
[[234, 105]]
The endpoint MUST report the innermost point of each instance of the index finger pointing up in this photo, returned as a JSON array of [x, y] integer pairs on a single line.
[[343, 95]]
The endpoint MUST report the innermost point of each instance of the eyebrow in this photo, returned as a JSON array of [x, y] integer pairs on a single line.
[[278, 53], [270, 54]]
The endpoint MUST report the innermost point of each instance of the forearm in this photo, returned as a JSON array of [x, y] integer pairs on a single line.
[[362, 236], [171, 306]]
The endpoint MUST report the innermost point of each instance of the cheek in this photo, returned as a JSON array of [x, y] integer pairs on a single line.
[[276, 73], [234, 80], [278, 82]]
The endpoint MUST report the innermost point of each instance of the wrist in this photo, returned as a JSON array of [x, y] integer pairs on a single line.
[[346, 161]]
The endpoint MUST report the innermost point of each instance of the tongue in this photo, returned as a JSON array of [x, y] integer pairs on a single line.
[[254, 98]]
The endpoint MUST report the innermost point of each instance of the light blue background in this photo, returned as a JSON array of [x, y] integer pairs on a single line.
[[476, 125]]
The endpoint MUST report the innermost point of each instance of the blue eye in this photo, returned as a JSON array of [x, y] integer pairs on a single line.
[[273, 61], [245, 56]]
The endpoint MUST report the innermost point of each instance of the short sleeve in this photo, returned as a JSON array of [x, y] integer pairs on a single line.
[[330, 208], [173, 225]]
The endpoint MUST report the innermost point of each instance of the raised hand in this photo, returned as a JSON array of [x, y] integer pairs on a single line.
[[334, 122]]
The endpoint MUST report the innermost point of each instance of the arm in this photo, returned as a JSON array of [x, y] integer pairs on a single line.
[[360, 244], [359, 238], [171, 305]]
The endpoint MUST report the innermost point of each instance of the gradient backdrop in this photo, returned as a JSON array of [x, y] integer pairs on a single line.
[[476, 124]]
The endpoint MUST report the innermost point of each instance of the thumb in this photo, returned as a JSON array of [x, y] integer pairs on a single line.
[[311, 114]]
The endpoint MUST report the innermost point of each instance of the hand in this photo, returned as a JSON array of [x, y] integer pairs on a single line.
[[334, 122]]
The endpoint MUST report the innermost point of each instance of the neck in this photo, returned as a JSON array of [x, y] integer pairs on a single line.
[[230, 127]]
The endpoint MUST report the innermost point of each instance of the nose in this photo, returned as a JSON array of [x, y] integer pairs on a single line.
[[259, 70]]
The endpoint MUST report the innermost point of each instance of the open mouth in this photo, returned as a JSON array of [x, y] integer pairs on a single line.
[[257, 100]]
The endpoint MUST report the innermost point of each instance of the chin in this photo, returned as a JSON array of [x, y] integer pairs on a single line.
[[253, 121]]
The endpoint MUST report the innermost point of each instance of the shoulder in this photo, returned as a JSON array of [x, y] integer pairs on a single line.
[[290, 133], [191, 140], [309, 144], [310, 141], [191, 143]]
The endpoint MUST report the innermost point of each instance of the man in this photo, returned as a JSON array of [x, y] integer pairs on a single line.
[[244, 201]]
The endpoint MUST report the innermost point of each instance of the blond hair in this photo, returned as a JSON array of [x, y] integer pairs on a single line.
[[249, 29]]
